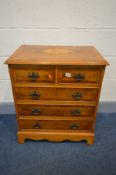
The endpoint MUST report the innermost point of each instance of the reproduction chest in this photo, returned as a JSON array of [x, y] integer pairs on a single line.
[[56, 91]]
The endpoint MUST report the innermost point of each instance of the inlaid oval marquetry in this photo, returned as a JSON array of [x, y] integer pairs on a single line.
[[57, 51]]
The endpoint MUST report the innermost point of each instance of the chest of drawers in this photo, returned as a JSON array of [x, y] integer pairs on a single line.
[[56, 91]]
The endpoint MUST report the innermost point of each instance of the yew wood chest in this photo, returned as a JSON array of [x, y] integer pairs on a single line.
[[56, 91]]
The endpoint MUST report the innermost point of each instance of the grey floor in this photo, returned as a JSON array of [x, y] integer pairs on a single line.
[[66, 158]]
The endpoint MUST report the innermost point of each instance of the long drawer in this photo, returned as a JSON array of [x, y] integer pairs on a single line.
[[51, 93], [55, 110], [56, 124]]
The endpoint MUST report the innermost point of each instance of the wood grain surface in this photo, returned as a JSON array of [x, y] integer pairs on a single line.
[[56, 91]]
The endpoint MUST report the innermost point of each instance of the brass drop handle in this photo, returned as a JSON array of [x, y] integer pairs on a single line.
[[79, 76], [33, 76], [35, 95], [77, 95], [74, 126], [36, 126], [36, 111], [75, 112]]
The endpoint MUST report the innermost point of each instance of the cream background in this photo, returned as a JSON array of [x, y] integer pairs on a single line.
[[59, 22]]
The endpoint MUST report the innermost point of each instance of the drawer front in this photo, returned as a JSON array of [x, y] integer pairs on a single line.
[[34, 75], [73, 75], [56, 110], [49, 93], [56, 124]]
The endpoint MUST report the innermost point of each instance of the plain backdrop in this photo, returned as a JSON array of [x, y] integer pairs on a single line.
[[58, 22]]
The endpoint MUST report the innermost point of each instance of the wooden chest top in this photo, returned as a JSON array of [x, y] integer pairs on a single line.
[[57, 55]]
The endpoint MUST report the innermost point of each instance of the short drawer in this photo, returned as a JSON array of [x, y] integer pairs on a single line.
[[33, 75], [55, 110], [76, 75], [50, 93], [56, 124]]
